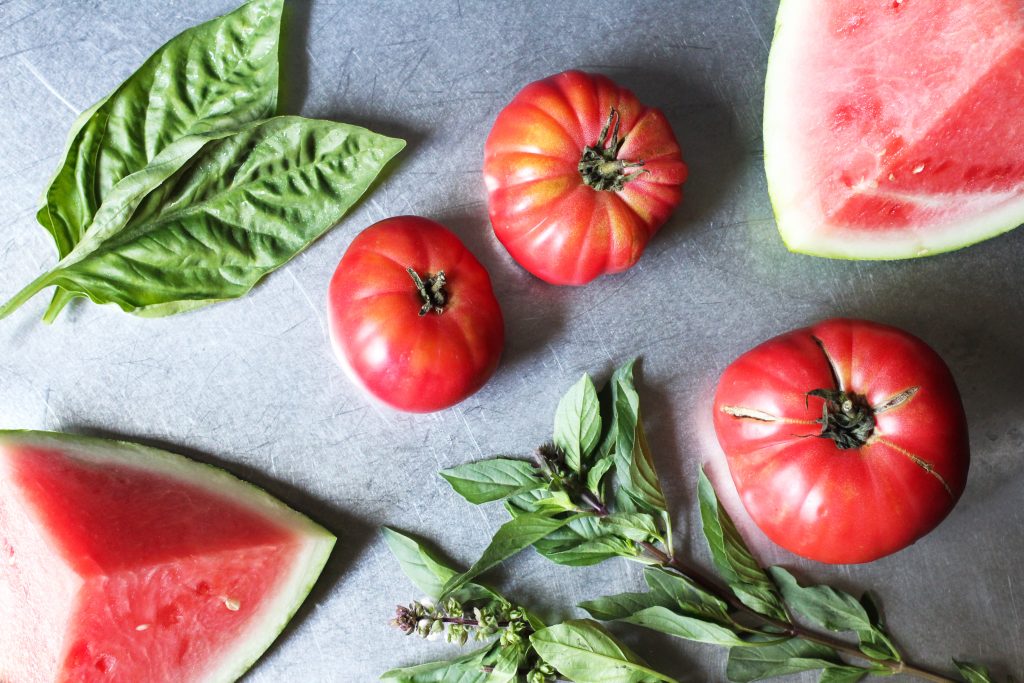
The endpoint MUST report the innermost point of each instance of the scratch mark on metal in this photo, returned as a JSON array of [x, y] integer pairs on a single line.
[[757, 30], [46, 84], [309, 300]]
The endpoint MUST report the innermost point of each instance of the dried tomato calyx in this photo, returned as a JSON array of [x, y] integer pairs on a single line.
[[600, 167], [431, 289], [846, 418]]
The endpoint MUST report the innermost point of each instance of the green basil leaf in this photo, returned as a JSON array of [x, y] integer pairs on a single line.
[[466, 669], [780, 659], [875, 642], [219, 75], [836, 611], [732, 558], [514, 535], [596, 473], [584, 541], [616, 607], [427, 572], [636, 526], [490, 480], [842, 674], [688, 627], [578, 423], [506, 664], [973, 673], [625, 410], [682, 592], [584, 652], [637, 475], [242, 207], [824, 605]]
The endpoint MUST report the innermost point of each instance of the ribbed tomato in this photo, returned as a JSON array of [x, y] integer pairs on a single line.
[[847, 440], [412, 315], [579, 176]]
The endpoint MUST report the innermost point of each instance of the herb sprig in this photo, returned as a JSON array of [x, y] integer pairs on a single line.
[[594, 494]]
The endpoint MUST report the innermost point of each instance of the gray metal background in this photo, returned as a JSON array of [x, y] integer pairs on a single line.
[[252, 384]]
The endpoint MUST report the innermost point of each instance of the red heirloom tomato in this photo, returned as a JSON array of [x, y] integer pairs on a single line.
[[846, 440], [412, 315], [579, 176]]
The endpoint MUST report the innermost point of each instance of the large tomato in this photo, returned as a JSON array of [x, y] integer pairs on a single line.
[[412, 315], [846, 440], [579, 176]]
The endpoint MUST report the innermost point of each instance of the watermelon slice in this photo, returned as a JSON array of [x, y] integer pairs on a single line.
[[893, 128], [125, 563]]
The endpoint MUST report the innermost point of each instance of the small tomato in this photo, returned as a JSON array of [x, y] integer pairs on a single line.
[[847, 440], [413, 318], [580, 175]]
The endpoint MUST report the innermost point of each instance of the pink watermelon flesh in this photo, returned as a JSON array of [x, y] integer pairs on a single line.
[[113, 570], [893, 128]]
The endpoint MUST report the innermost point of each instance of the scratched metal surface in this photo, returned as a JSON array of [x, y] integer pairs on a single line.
[[252, 384]]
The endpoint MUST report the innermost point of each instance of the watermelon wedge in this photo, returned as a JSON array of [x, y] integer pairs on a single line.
[[893, 128], [125, 563]]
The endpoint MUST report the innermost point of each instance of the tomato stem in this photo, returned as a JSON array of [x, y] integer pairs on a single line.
[[431, 289], [600, 166], [846, 418]]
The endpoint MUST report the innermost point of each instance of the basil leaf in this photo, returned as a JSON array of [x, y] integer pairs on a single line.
[[584, 541], [466, 669], [513, 536], [616, 607], [697, 628], [842, 674], [218, 75], [596, 473], [876, 642], [578, 423], [506, 664], [732, 558], [682, 592], [584, 652], [427, 572], [636, 526], [490, 480], [789, 657], [625, 410], [637, 475], [242, 207], [836, 611], [973, 673]]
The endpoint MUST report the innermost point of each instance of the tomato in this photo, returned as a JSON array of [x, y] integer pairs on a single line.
[[847, 440], [412, 315], [580, 175]]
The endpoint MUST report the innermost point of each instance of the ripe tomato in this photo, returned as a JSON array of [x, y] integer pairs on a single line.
[[846, 440], [412, 315], [579, 176]]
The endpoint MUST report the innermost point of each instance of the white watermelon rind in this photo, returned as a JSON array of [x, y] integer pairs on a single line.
[[804, 234], [307, 566]]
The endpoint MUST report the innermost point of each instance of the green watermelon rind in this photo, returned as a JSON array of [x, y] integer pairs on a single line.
[[278, 612], [845, 244]]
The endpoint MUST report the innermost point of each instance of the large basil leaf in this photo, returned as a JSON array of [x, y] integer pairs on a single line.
[[973, 673], [733, 559], [489, 480], [240, 208], [578, 423], [427, 571], [584, 652], [779, 659], [513, 536], [218, 75], [470, 668]]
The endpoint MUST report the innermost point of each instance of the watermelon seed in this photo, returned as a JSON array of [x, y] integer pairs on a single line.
[[918, 169], [142, 627], [231, 603]]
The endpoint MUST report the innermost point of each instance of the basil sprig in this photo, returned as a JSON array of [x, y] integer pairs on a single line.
[[180, 188], [596, 493]]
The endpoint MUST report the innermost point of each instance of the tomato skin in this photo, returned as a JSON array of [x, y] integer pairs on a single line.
[[413, 362], [552, 223], [843, 505]]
